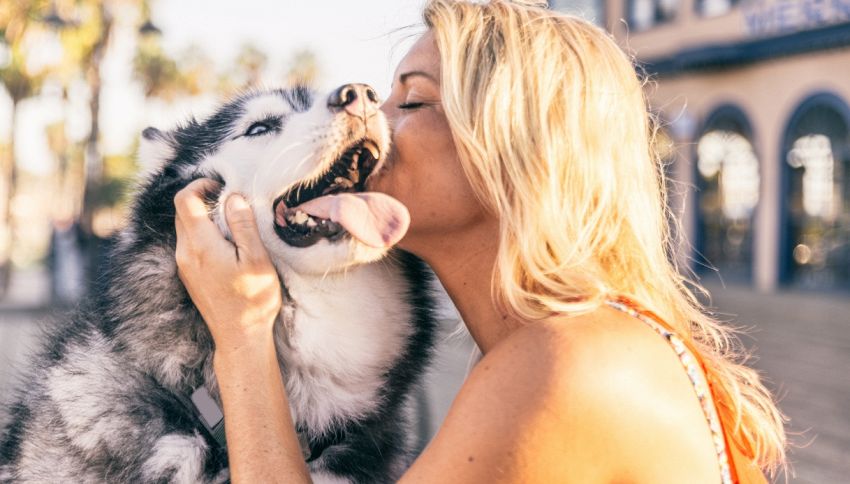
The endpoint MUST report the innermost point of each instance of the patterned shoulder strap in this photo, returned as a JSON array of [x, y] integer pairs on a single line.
[[691, 365]]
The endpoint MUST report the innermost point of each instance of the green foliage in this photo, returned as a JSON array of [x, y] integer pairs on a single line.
[[157, 72], [16, 19]]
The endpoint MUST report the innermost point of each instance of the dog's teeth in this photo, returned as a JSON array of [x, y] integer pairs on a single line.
[[355, 176], [344, 182], [373, 149], [300, 217], [311, 222]]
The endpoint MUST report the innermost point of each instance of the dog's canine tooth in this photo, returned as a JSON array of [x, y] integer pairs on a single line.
[[373, 149]]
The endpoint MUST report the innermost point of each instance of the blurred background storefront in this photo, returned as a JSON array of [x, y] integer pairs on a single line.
[[755, 96]]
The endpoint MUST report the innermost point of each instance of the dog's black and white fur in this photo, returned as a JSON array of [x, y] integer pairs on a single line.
[[107, 400]]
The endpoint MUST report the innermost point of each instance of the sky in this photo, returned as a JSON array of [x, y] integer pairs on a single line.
[[354, 41]]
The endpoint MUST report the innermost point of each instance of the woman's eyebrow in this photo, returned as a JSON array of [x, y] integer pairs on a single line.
[[402, 78]]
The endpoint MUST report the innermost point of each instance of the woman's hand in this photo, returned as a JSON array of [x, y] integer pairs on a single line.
[[233, 284]]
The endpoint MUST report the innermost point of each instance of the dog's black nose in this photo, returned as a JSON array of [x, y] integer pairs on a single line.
[[356, 99]]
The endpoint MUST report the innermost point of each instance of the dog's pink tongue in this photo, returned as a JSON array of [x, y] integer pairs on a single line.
[[376, 219]]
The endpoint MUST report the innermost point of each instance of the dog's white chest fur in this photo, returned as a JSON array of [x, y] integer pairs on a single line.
[[347, 331]]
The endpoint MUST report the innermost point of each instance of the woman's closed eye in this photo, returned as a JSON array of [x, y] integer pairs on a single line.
[[411, 105]]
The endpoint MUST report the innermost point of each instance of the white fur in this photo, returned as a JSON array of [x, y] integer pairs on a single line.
[[341, 345], [79, 385], [153, 153], [325, 478], [181, 454]]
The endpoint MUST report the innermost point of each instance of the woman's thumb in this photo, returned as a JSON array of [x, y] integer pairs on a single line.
[[243, 227]]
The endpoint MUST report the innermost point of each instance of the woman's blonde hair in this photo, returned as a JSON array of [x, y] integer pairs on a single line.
[[554, 133]]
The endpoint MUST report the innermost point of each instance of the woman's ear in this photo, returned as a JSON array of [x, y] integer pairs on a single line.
[[155, 149]]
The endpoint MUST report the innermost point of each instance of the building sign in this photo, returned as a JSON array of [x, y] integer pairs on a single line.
[[770, 17]]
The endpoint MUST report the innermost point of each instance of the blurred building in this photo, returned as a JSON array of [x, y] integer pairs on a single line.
[[756, 96]]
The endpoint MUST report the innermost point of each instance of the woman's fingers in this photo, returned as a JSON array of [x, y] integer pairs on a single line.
[[194, 227], [243, 229], [197, 234]]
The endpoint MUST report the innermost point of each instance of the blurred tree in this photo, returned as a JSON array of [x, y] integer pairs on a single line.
[[163, 77], [89, 41], [86, 28], [303, 68], [21, 81], [83, 29], [250, 63], [156, 71]]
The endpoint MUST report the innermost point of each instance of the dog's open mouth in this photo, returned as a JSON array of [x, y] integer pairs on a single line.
[[337, 205]]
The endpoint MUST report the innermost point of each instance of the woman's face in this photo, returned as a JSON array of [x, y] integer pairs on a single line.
[[423, 170]]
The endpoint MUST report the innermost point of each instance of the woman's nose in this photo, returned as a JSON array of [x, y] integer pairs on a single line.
[[356, 99]]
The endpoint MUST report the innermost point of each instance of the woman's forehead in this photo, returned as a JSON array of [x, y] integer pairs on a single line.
[[423, 57]]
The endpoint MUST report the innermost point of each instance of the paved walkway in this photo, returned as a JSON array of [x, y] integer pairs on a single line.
[[802, 341]]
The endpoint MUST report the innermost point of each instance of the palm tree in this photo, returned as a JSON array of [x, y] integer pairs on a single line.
[[16, 19], [87, 42]]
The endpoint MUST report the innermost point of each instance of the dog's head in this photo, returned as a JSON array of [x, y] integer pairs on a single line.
[[302, 161]]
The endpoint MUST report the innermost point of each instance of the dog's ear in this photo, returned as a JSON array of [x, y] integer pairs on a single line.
[[155, 149]]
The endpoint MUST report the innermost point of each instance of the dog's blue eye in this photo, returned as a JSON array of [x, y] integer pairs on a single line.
[[257, 129]]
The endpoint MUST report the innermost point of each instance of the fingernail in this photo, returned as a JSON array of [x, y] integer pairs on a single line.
[[236, 201]]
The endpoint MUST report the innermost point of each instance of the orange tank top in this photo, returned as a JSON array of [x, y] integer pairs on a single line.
[[734, 467]]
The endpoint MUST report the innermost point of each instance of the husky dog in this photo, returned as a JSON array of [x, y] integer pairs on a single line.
[[124, 389]]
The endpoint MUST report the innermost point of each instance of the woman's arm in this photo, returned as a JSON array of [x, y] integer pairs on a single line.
[[261, 442], [236, 289]]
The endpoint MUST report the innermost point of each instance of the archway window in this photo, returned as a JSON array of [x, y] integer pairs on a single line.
[[711, 8], [812, 155], [589, 9], [728, 181], [817, 218], [729, 158], [644, 14]]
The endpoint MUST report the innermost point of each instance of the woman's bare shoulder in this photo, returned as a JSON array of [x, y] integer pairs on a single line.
[[593, 398]]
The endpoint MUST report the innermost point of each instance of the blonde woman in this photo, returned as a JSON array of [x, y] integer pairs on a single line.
[[522, 149]]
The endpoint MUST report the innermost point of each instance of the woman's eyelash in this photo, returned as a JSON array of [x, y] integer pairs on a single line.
[[410, 105]]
